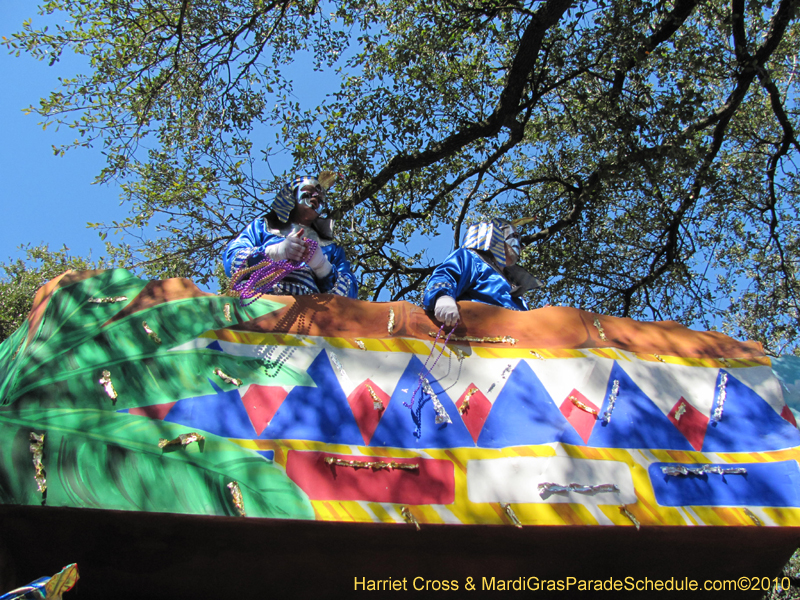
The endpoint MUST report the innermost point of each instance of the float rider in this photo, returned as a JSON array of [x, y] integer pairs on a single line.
[[294, 231], [484, 270]]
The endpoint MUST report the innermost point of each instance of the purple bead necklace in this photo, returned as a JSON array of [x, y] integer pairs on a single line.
[[251, 283]]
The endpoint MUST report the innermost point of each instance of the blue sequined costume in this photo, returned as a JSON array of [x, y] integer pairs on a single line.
[[464, 275], [248, 250]]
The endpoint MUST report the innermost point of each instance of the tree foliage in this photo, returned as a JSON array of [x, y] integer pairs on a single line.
[[22, 279], [653, 140]]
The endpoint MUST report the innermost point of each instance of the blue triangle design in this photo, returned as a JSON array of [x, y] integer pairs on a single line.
[[215, 346], [396, 428], [319, 413], [221, 413], [748, 423], [635, 421], [525, 414]]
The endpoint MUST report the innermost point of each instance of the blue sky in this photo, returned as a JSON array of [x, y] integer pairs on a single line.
[[45, 198], [49, 199]]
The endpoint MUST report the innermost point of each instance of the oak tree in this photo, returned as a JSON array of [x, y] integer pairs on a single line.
[[653, 141]]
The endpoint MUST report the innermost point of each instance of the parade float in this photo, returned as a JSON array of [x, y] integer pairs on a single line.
[[174, 442]]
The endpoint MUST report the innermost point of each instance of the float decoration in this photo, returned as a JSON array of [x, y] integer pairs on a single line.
[[311, 424]]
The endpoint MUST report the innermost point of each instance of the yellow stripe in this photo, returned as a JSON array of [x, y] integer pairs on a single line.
[[788, 517], [708, 363], [605, 353], [680, 456], [427, 514], [380, 512], [716, 515]]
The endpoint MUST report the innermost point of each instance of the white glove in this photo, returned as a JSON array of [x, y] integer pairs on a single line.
[[320, 264], [292, 247], [446, 310]]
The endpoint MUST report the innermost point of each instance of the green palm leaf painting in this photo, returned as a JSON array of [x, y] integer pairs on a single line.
[[110, 324]]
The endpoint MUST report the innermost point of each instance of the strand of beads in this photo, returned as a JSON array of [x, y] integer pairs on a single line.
[[425, 369], [250, 283], [416, 415]]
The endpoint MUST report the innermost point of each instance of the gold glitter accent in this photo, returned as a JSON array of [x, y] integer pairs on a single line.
[[465, 405], [390, 328], [537, 355], [108, 300], [377, 465], [582, 406], [459, 354], [227, 378], [37, 449], [227, 312], [410, 518], [681, 410], [376, 402], [361, 344], [183, 439], [488, 339], [753, 516], [624, 510], [600, 329], [238, 500], [658, 358], [152, 334], [105, 381], [511, 515]]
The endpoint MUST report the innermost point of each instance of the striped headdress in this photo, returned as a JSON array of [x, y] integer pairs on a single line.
[[488, 236], [285, 200]]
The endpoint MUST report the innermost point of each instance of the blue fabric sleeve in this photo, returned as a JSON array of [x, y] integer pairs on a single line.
[[340, 280], [466, 276], [449, 278], [248, 247]]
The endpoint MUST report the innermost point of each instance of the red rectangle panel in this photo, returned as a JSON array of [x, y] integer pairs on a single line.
[[432, 483]]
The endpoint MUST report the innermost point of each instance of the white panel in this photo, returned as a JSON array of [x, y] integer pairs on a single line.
[[665, 383], [489, 375], [588, 375], [763, 382], [516, 480], [296, 357], [383, 368]]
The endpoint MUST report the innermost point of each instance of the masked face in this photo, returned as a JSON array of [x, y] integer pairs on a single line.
[[311, 196], [512, 244]]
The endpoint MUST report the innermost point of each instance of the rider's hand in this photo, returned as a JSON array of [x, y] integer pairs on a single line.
[[320, 264], [292, 247], [446, 310]]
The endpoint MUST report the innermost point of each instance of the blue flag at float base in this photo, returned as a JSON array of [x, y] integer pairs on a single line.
[[787, 369]]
